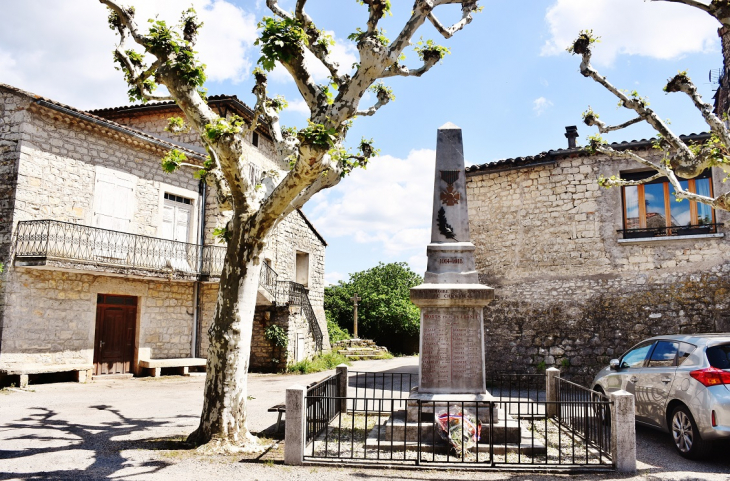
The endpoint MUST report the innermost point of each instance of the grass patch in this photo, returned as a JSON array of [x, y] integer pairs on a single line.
[[323, 362]]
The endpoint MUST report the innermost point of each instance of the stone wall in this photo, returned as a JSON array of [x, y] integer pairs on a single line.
[[11, 121], [51, 315], [569, 291]]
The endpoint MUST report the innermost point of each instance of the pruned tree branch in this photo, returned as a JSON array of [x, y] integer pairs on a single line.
[[679, 157], [397, 70], [467, 8], [691, 3], [591, 120]]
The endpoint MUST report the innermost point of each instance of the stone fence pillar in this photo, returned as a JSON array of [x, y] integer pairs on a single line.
[[551, 391], [295, 432], [623, 432], [342, 374]]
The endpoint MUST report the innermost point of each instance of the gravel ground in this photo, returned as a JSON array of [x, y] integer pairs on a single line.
[[133, 429]]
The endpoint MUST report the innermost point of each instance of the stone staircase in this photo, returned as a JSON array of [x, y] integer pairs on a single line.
[[359, 349]]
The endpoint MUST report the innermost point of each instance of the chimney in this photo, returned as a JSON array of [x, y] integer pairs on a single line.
[[571, 133]]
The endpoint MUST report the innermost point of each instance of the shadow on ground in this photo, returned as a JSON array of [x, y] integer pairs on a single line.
[[53, 435]]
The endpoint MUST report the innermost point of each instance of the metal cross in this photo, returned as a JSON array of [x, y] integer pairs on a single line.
[[354, 299]]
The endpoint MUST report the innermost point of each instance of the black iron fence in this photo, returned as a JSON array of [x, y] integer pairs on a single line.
[[322, 405], [586, 413], [513, 428]]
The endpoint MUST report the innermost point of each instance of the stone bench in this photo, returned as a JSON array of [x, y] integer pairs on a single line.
[[183, 364], [83, 371]]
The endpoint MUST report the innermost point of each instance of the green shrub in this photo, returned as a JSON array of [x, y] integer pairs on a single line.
[[318, 363], [336, 332]]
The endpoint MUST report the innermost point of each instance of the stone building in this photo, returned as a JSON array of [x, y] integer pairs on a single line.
[[109, 261], [581, 272]]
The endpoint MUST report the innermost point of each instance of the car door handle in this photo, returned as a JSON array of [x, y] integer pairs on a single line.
[[666, 380], [633, 379]]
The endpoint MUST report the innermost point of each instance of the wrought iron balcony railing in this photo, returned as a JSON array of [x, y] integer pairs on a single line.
[[66, 241], [74, 242], [669, 231]]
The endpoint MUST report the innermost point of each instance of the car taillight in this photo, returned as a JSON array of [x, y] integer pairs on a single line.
[[711, 376]]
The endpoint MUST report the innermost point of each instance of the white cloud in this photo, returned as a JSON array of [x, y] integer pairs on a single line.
[[332, 278], [540, 105], [660, 30], [299, 106], [388, 206], [62, 50]]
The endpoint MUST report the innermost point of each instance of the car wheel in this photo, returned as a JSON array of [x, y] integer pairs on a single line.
[[686, 436]]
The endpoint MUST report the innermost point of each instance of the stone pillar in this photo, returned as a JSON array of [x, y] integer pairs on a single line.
[[623, 432], [295, 432], [551, 391], [342, 374]]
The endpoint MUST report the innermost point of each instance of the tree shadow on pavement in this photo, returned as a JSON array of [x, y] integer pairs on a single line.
[[45, 433]]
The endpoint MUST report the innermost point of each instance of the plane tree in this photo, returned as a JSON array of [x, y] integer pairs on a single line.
[[679, 159], [316, 154]]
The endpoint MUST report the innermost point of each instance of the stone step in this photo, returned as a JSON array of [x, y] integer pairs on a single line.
[[378, 438], [397, 429], [469, 407]]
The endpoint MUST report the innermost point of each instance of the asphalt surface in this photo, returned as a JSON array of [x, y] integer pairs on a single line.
[[133, 429]]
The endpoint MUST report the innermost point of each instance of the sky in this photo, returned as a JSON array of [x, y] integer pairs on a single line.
[[508, 83]]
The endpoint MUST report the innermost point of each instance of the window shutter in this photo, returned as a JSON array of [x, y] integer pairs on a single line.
[[168, 222]]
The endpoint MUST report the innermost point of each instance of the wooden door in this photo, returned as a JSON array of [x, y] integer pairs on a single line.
[[116, 319]]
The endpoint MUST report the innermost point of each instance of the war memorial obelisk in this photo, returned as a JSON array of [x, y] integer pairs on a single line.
[[451, 300]]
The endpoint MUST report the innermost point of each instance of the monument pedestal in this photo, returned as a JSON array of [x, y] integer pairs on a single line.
[[452, 337]]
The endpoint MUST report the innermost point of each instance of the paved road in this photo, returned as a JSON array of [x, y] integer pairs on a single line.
[[132, 429]]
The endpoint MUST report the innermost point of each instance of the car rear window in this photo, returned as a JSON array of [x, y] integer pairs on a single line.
[[719, 356]]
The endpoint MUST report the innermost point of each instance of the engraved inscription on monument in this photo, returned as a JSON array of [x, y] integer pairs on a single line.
[[451, 354]]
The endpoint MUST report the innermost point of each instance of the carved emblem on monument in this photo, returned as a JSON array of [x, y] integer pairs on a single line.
[[444, 227], [449, 196]]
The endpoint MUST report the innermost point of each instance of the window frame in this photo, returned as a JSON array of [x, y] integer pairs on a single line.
[[642, 231]]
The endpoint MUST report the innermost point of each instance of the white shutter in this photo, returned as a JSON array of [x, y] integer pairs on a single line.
[[182, 222], [168, 221], [113, 210]]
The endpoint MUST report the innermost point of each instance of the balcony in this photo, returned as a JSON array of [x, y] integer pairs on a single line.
[[674, 231], [53, 244]]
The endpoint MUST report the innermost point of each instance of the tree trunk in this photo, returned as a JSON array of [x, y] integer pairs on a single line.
[[223, 420]]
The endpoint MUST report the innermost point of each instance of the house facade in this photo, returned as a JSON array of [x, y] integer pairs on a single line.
[[581, 272], [109, 260]]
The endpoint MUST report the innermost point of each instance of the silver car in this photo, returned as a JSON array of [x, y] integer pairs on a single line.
[[681, 385]]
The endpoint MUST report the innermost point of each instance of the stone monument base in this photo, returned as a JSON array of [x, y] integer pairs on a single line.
[[472, 403]]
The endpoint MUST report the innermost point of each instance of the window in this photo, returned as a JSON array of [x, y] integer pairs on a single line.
[[255, 139], [685, 350], [719, 356], [636, 356], [664, 354], [176, 217], [113, 211], [301, 275], [651, 210]]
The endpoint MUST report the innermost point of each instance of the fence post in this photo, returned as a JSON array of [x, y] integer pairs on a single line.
[[342, 386], [295, 433], [623, 432], [551, 391]]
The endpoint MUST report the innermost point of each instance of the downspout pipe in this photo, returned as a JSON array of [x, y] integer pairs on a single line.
[[197, 305]]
